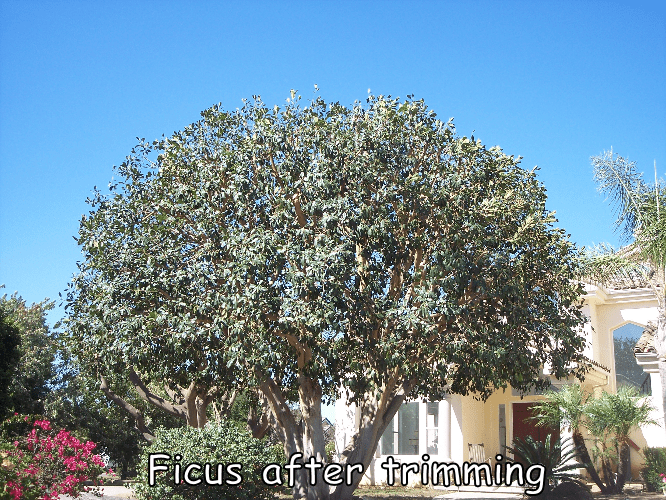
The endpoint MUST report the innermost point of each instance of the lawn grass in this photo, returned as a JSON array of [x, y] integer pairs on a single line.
[[386, 493]]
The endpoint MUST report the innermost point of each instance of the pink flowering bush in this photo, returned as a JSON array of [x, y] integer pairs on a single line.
[[45, 463]]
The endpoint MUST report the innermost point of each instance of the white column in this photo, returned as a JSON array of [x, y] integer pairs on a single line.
[[445, 429], [423, 429]]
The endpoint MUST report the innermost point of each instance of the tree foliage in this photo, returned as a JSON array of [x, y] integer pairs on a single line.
[[10, 339], [34, 370], [296, 250]]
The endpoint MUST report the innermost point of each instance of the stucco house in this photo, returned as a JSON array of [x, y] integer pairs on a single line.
[[445, 429]]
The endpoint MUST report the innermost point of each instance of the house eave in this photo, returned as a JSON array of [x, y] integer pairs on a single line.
[[599, 295], [649, 361]]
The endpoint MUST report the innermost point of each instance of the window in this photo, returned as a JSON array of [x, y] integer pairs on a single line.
[[401, 437], [627, 372]]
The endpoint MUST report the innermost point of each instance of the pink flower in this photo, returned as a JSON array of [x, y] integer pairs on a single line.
[[15, 490], [44, 424]]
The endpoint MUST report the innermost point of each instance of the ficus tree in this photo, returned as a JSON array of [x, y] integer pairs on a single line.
[[317, 250]]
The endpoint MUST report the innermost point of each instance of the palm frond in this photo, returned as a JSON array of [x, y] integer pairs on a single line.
[[651, 237], [605, 265], [639, 205], [618, 178], [618, 413], [564, 407]]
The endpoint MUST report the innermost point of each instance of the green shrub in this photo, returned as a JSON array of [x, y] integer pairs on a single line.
[[330, 452], [655, 464], [214, 444], [559, 459]]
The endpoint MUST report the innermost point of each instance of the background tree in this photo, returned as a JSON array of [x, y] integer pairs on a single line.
[[305, 249], [77, 404], [44, 380], [10, 339], [642, 222], [32, 374]]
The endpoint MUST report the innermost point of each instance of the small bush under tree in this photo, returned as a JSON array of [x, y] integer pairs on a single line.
[[222, 443]]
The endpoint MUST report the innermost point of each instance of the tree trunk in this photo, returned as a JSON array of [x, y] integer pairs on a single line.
[[129, 408], [190, 407], [622, 466], [660, 345], [584, 456], [309, 393], [377, 411], [260, 424], [608, 475], [289, 432]]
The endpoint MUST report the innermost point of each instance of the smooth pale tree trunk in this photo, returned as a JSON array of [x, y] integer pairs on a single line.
[[289, 432], [377, 410], [362, 448], [309, 393]]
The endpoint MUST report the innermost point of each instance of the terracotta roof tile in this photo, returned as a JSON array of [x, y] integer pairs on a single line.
[[646, 342]]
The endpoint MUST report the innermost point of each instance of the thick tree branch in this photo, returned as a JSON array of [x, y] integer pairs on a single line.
[[129, 408], [154, 399]]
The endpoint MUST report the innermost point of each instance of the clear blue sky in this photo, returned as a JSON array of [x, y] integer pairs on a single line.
[[554, 82]]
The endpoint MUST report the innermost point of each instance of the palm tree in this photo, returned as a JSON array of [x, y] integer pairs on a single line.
[[642, 222], [565, 408], [611, 418]]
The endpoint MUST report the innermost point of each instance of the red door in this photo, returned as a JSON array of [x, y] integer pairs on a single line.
[[523, 426]]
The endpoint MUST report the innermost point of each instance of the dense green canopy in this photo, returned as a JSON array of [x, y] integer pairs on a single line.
[[298, 249]]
